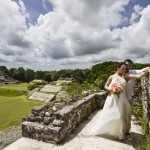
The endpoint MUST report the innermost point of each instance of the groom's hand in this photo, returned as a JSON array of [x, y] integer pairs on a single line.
[[147, 69]]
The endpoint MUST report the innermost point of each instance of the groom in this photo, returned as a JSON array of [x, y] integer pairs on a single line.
[[130, 83]]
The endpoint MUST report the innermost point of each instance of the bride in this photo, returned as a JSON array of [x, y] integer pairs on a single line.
[[115, 117]]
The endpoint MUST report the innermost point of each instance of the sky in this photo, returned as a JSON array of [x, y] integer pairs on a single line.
[[69, 34]]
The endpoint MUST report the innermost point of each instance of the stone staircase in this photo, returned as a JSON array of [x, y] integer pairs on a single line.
[[46, 94]]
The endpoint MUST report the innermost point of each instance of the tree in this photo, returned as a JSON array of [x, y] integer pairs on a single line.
[[22, 74], [29, 75], [39, 75], [16, 74], [4, 69], [55, 76], [78, 75], [47, 77]]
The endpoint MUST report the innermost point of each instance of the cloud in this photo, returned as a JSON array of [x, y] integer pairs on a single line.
[[23, 9], [136, 14], [72, 30], [136, 38], [74, 33], [12, 25]]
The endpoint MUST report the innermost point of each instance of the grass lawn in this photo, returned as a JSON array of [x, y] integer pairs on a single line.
[[14, 105], [20, 87]]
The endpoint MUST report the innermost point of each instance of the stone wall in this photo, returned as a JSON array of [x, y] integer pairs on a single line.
[[142, 94], [145, 95], [53, 121]]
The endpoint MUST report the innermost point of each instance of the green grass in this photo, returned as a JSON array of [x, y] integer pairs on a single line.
[[12, 109], [20, 87], [75, 88], [14, 104], [11, 93], [14, 90], [138, 112]]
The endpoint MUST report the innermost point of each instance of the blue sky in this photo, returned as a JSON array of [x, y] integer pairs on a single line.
[[37, 7], [131, 4], [62, 34]]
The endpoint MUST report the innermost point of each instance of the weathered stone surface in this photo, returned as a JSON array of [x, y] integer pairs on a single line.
[[142, 94], [63, 119], [64, 80], [62, 96], [64, 112], [81, 139], [58, 123], [47, 120], [6, 80], [41, 96], [33, 91], [47, 114], [51, 88], [32, 118]]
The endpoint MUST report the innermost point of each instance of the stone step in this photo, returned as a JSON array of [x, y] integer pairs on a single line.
[[41, 96], [51, 88]]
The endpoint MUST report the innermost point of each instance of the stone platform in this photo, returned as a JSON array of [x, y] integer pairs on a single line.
[[51, 88], [42, 96], [80, 139], [46, 94]]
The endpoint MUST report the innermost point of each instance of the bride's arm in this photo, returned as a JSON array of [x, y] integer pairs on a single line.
[[107, 83]]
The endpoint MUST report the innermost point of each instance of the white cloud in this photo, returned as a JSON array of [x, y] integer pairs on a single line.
[[136, 14], [23, 9], [12, 29], [77, 28], [75, 32], [136, 38]]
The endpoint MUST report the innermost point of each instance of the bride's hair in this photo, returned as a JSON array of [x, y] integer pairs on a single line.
[[120, 64]]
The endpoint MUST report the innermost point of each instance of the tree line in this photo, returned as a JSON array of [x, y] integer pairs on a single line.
[[97, 74]]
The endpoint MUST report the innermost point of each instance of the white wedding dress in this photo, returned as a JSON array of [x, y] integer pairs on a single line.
[[115, 117]]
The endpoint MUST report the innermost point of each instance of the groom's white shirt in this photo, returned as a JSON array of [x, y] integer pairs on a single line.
[[130, 84]]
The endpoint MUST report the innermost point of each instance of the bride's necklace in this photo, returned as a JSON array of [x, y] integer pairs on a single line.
[[119, 75]]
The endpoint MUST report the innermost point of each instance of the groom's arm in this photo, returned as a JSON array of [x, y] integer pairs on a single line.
[[146, 69], [136, 76]]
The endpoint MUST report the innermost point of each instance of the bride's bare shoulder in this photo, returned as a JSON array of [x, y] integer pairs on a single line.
[[110, 77]]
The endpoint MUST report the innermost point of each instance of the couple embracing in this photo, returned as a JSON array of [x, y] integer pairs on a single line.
[[115, 118]]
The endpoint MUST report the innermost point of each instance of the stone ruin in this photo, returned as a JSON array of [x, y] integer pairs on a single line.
[[5, 79], [46, 94], [142, 95], [145, 96], [53, 121], [64, 80]]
